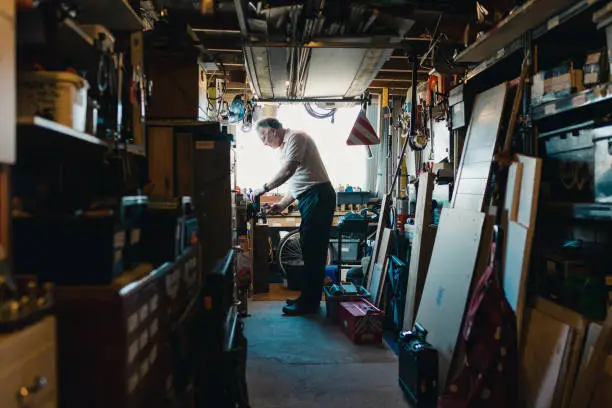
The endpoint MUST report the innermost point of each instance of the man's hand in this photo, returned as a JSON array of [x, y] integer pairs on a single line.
[[276, 208]]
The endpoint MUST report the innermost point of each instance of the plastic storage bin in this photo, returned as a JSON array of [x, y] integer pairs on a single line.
[[350, 249], [55, 95]]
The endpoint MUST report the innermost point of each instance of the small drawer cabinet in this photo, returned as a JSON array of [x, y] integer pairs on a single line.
[[115, 341], [28, 374]]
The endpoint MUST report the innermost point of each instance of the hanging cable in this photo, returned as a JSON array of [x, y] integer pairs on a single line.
[[320, 113]]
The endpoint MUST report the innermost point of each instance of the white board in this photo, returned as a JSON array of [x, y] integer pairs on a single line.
[[513, 190], [516, 265], [8, 80], [530, 189], [480, 141], [448, 282]]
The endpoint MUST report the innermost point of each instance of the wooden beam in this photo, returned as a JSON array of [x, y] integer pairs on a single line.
[[390, 84], [397, 76]]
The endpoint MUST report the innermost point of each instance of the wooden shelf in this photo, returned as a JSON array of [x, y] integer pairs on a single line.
[[45, 133], [597, 94], [501, 54], [115, 15], [578, 211], [527, 17]]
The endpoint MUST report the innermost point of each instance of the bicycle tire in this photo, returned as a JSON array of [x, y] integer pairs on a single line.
[[287, 252]]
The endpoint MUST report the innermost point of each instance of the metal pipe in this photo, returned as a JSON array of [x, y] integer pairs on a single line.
[[312, 100], [216, 31], [228, 50]]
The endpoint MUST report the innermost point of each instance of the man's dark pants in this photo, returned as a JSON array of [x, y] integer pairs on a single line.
[[316, 206]]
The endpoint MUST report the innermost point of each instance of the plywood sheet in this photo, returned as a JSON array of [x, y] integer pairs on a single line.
[[513, 190], [380, 265], [475, 165], [578, 326], [422, 245], [448, 282], [8, 73], [516, 266], [382, 222], [542, 359], [529, 190]]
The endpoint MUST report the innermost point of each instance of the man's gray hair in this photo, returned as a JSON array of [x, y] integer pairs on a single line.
[[269, 123]]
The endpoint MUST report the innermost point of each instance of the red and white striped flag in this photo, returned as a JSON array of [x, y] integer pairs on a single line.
[[362, 134]]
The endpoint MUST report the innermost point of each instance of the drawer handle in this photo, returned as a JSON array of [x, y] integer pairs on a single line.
[[25, 392]]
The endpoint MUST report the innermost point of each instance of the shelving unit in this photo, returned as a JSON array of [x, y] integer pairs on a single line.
[[45, 133], [578, 211], [598, 94], [527, 17], [116, 15]]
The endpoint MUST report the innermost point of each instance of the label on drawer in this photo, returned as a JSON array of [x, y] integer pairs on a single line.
[[144, 368], [119, 241], [132, 322], [144, 312], [172, 283], [153, 303], [153, 355], [144, 338], [133, 382], [153, 327], [135, 236], [133, 351]]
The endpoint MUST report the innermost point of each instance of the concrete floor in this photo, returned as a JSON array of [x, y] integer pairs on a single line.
[[306, 362]]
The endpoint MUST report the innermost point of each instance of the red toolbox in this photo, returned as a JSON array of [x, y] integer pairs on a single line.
[[334, 295], [361, 321]]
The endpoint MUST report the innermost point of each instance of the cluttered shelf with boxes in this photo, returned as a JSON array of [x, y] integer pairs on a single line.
[[556, 205], [101, 261]]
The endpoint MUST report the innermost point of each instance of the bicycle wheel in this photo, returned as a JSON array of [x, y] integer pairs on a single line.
[[290, 252]]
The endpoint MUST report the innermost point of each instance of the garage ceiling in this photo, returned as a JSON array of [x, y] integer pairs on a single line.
[[220, 34]]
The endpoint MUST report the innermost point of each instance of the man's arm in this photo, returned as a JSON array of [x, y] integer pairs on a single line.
[[283, 175], [284, 203]]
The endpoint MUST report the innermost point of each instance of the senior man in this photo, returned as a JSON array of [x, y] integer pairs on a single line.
[[309, 183]]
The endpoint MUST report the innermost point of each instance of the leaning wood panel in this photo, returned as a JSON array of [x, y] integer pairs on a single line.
[[480, 144], [382, 223], [448, 282], [422, 245], [542, 360]]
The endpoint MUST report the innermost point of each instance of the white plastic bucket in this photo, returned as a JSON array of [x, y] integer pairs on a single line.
[[56, 95]]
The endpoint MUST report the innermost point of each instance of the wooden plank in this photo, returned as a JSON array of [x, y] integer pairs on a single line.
[[513, 190], [480, 144], [383, 219], [422, 245], [529, 190], [8, 89], [542, 358], [585, 385], [160, 157], [448, 282], [578, 325], [516, 266], [379, 270]]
